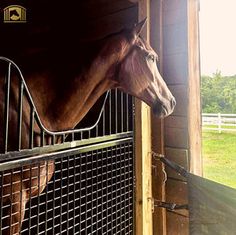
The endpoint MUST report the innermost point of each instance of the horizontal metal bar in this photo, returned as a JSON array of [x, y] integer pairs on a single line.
[[51, 148], [63, 153]]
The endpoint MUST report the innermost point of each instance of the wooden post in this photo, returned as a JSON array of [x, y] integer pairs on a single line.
[[157, 125], [194, 106], [219, 123], [144, 203]]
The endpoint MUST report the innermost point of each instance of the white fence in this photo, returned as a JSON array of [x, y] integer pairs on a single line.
[[219, 122]]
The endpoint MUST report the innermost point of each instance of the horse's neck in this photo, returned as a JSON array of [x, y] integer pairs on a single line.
[[78, 100], [69, 105]]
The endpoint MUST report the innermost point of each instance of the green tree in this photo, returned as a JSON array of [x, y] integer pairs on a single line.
[[218, 93]]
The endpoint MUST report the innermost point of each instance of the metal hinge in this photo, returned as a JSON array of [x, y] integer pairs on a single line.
[[153, 203]]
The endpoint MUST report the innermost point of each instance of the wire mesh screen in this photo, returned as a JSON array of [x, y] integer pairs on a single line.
[[90, 193]]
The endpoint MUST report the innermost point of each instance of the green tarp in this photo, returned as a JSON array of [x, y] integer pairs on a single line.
[[212, 207]]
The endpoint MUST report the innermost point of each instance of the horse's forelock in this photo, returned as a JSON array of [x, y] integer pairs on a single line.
[[144, 45]]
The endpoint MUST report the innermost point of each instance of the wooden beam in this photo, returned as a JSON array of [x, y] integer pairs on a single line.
[[157, 125], [144, 203], [194, 106]]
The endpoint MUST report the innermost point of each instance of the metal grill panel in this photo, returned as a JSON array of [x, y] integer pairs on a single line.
[[113, 117], [92, 189], [90, 193]]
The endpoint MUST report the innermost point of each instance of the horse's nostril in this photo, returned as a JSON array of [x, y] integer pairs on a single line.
[[173, 102]]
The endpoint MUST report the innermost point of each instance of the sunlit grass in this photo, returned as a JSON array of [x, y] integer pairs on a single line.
[[223, 127], [219, 157]]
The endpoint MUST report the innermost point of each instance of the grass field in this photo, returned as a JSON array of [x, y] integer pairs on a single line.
[[219, 157]]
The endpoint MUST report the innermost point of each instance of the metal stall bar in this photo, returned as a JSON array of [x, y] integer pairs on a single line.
[[7, 101]]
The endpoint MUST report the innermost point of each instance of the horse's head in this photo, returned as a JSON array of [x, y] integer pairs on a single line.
[[138, 74]]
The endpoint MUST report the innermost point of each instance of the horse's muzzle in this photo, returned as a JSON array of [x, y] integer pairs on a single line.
[[162, 110]]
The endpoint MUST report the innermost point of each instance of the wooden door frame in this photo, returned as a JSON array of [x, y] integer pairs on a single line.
[[150, 132], [143, 164]]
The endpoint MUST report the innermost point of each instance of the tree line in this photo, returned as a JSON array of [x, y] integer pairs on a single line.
[[218, 93]]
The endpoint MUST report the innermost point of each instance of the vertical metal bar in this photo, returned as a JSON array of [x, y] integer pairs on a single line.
[[96, 130], [46, 206], [72, 136], [38, 206], [102, 191], [116, 112], [89, 134], [121, 177], [133, 184], [31, 140], [61, 171], [96, 178], [1, 202], [127, 112], [127, 156], [107, 191], [53, 205], [74, 188], [127, 187], [42, 137], [63, 138], [132, 160], [30, 192], [110, 113], [11, 202], [122, 110], [21, 188], [104, 122], [116, 188], [68, 190], [92, 183], [20, 105], [86, 191], [123, 170], [7, 103], [80, 191]]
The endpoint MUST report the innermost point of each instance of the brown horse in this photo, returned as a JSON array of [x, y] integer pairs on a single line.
[[125, 61]]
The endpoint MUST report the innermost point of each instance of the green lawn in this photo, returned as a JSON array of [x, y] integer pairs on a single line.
[[219, 157], [223, 127]]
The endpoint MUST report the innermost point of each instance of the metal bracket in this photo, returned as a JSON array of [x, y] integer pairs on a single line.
[[153, 204], [170, 206], [156, 157]]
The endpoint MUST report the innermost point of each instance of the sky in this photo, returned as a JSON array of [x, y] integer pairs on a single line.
[[218, 36]]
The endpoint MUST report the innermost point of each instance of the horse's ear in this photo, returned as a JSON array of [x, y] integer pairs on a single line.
[[139, 27], [133, 33]]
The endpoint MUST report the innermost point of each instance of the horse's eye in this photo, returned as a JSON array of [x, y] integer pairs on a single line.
[[151, 57]]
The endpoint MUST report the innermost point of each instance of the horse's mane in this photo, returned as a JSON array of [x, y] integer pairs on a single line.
[[59, 59]]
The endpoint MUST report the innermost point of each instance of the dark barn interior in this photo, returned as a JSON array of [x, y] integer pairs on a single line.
[[92, 190], [64, 34]]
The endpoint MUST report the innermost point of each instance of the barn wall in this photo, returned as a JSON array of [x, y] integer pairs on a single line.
[[64, 29], [182, 132], [175, 71]]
